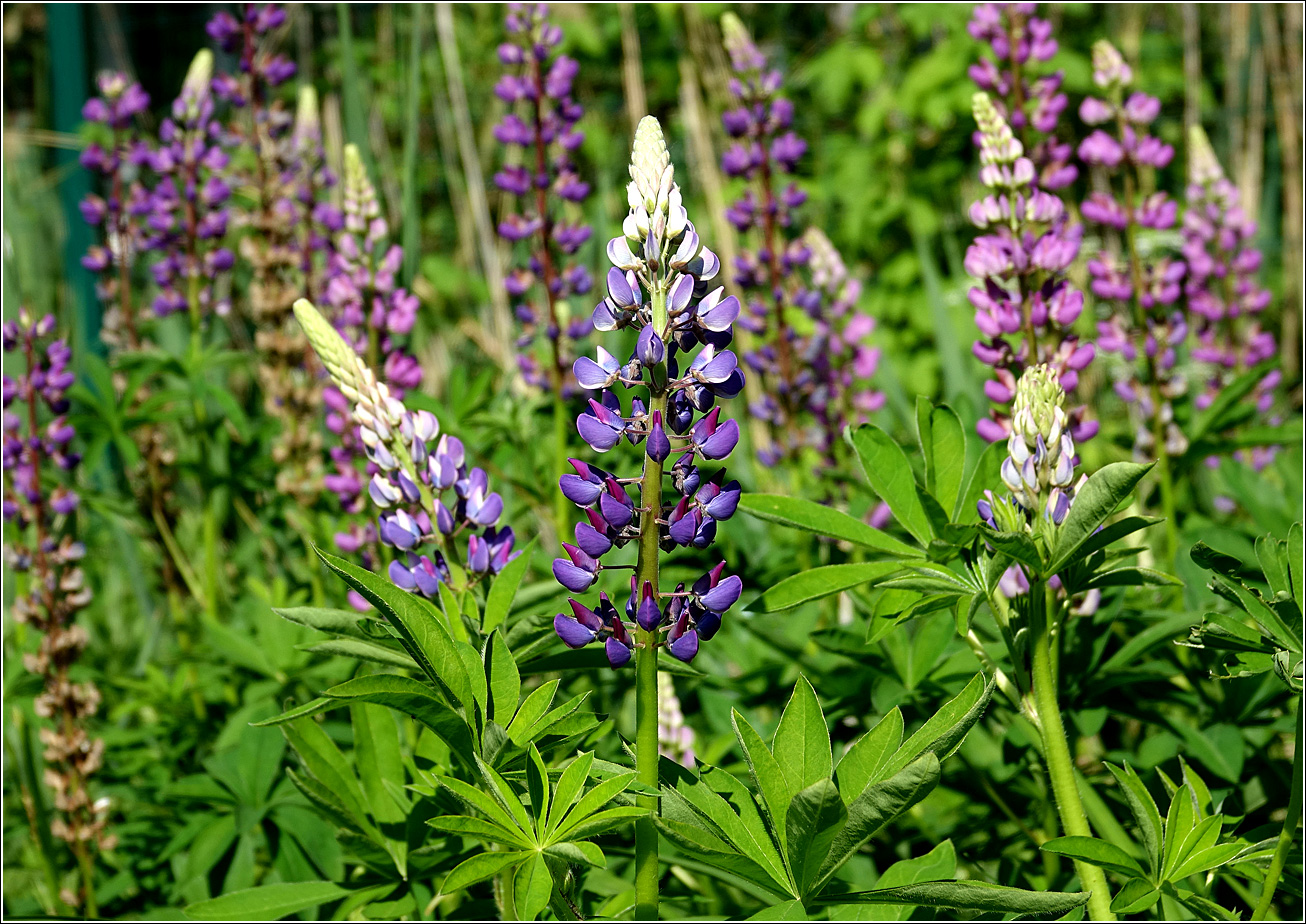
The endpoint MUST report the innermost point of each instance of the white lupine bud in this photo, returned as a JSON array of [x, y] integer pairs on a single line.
[[650, 163], [199, 75], [1203, 166], [997, 144]]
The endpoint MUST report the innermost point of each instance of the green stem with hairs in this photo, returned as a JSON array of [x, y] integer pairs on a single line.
[[1284, 846], [646, 663], [1056, 752]]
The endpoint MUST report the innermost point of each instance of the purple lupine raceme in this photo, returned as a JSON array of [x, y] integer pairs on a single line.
[[438, 514], [1026, 308], [1144, 326], [660, 286], [375, 316], [1222, 289], [815, 381], [121, 212], [1031, 103], [39, 514], [540, 132], [189, 204]]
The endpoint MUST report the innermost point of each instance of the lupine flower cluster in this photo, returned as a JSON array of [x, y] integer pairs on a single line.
[[260, 64], [675, 738], [1222, 291], [836, 354], [189, 211], [542, 125], [37, 452], [427, 493], [375, 316], [658, 286], [1039, 473], [1028, 103], [1026, 307], [1142, 291], [122, 211], [762, 151]]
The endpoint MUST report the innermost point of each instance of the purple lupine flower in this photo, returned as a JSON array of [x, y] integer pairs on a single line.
[[187, 214], [1031, 104], [1222, 291], [1026, 308], [537, 88], [419, 478], [663, 294], [815, 382], [38, 508], [122, 210], [372, 313], [1140, 290]]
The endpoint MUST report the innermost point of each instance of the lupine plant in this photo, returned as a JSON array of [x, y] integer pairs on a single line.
[[41, 547]]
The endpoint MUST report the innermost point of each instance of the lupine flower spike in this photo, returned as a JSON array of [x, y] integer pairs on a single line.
[[428, 495], [1223, 294], [658, 286], [1140, 290], [1026, 308], [38, 454], [542, 123]]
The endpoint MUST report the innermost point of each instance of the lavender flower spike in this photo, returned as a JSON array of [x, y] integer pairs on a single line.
[[681, 365], [1026, 307], [422, 483]]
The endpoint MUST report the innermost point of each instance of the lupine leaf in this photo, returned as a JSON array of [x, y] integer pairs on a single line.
[[1135, 897], [1097, 852], [502, 679], [943, 444], [944, 731], [480, 828], [890, 476], [983, 476], [1094, 502], [498, 602], [816, 583], [1146, 814], [802, 740], [414, 698], [531, 887], [868, 755], [768, 778], [814, 818], [799, 513], [425, 638], [480, 867], [363, 651], [266, 903], [965, 895]]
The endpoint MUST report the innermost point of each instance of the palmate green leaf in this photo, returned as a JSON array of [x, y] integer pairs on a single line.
[[705, 846], [868, 755], [530, 711], [791, 910], [537, 787], [414, 698], [321, 704], [876, 807], [939, 864], [568, 790], [602, 822], [1097, 852], [1094, 503], [1131, 577], [590, 803], [578, 852], [768, 778], [943, 444], [490, 807], [798, 513], [1203, 908], [531, 887], [324, 761], [813, 820], [816, 583], [1179, 823], [1146, 814], [1018, 546], [498, 602], [964, 895], [426, 639], [266, 903], [890, 476], [944, 731], [377, 756], [802, 740], [480, 867]]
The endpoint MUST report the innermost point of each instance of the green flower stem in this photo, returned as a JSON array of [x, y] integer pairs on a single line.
[[1056, 752], [646, 663], [1284, 847]]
